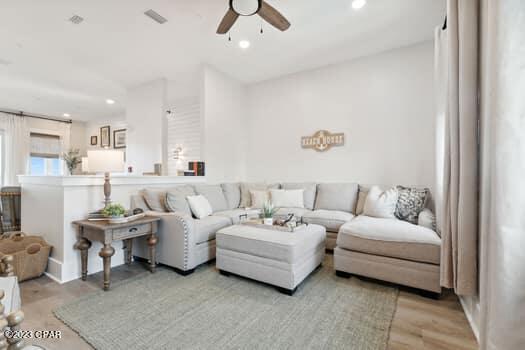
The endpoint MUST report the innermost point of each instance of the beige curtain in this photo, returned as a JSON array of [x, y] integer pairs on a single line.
[[16, 153], [459, 200], [502, 269]]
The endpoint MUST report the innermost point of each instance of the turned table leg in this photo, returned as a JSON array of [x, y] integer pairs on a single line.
[[152, 241], [128, 250], [83, 245], [106, 253]]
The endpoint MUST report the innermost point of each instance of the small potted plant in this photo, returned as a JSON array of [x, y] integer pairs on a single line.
[[115, 212], [72, 159], [268, 212]]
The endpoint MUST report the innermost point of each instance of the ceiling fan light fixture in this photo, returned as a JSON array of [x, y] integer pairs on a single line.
[[246, 7], [244, 44], [358, 4]]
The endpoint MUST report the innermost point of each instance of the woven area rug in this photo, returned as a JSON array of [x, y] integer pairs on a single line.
[[209, 311]]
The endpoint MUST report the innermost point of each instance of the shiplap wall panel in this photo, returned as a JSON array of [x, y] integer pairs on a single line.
[[184, 130]]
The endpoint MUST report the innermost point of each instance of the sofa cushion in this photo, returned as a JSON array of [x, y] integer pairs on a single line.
[[155, 199], [234, 214], [336, 196], [390, 237], [214, 195], [287, 198], [299, 212], [331, 219], [232, 193], [206, 228], [246, 187], [176, 199], [310, 189]]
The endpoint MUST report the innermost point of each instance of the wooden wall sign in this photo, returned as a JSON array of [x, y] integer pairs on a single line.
[[323, 140]]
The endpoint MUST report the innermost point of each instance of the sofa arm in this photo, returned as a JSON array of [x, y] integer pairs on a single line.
[[177, 238], [427, 219]]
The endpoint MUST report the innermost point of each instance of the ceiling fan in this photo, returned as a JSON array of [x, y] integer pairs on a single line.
[[250, 8]]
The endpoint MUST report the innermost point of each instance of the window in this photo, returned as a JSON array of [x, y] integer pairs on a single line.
[[45, 155]]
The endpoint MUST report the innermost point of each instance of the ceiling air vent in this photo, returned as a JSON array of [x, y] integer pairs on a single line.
[[76, 19], [155, 16]]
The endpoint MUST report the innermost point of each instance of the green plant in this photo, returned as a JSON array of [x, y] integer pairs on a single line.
[[72, 159], [114, 210], [268, 210]]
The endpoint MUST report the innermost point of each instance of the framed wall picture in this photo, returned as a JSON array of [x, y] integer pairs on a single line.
[[105, 136], [119, 138], [94, 140]]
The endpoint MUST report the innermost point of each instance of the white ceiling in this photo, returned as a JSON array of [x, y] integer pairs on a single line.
[[50, 66]]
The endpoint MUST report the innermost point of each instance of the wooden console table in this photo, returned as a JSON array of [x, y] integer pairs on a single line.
[[107, 233]]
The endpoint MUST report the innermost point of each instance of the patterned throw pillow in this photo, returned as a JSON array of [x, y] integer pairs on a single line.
[[410, 203]]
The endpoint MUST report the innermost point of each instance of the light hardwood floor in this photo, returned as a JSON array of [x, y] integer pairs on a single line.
[[419, 322]]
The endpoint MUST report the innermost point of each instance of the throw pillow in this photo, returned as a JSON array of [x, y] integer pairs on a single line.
[[381, 204], [410, 203], [259, 198], [246, 187], [287, 198], [214, 195], [199, 205], [361, 199], [154, 199], [310, 189], [176, 199]]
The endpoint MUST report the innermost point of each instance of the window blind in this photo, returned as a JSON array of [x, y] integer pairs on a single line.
[[184, 131], [45, 146]]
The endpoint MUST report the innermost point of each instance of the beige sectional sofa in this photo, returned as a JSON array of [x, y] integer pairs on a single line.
[[386, 249]]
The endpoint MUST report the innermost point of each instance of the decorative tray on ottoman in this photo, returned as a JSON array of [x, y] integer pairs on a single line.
[[259, 224]]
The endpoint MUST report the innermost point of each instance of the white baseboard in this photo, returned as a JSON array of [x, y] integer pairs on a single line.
[[470, 317]]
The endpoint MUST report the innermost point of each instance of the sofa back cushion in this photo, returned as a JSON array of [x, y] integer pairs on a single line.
[[246, 187], [155, 198], [336, 196], [176, 199], [214, 195], [232, 193], [287, 198], [310, 189]]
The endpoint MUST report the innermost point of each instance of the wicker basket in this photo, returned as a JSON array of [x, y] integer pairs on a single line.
[[30, 254]]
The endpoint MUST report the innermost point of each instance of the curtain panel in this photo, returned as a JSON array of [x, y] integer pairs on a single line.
[[502, 274], [458, 190], [17, 146]]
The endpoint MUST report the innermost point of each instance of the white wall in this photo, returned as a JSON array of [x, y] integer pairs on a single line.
[[383, 104], [146, 122], [224, 123], [93, 129]]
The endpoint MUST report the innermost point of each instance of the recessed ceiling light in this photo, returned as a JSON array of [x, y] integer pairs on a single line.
[[66, 115], [358, 4], [244, 44], [110, 101]]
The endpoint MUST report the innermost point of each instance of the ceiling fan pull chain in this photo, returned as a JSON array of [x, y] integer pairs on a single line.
[[262, 31], [229, 37]]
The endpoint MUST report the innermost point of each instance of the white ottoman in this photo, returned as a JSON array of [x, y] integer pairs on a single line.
[[283, 259]]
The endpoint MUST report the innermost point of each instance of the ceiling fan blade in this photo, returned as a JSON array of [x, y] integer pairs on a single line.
[[274, 17], [227, 22]]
